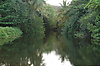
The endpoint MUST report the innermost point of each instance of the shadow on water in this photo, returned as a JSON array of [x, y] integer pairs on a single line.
[[80, 52], [24, 51], [28, 50]]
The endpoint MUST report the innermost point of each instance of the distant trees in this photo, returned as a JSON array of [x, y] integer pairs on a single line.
[[48, 16], [36, 3]]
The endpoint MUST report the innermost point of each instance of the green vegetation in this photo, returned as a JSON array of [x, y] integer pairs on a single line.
[[94, 26], [70, 16], [80, 18], [25, 46], [48, 17], [32, 21], [23, 15], [8, 34]]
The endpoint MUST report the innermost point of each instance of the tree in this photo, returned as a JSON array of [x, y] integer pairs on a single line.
[[8, 34], [22, 16], [38, 4], [48, 16], [71, 15]]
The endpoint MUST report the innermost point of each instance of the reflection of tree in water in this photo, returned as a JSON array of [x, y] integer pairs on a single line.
[[49, 41], [79, 52], [30, 48], [23, 50]]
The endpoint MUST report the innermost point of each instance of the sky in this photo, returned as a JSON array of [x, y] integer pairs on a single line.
[[55, 2]]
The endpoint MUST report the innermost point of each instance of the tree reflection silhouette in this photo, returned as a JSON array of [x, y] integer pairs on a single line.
[[79, 52], [28, 50], [24, 51]]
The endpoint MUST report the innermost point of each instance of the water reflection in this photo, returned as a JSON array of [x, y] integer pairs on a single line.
[[52, 59], [79, 51], [38, 49], [24, 51]]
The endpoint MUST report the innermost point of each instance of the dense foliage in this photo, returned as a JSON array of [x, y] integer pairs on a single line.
[[31, 16], [93, 25], [79, 22], [8, 34], [23, 15], [71, 15], [80, 18], [48, 16]]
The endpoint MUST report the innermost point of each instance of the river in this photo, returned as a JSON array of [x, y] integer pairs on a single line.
[[51, 49]]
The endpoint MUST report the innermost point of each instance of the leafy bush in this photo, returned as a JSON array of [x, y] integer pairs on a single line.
[[9, 34], [92, 19]]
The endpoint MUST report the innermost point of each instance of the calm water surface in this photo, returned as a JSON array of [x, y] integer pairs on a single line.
[[49, 50]]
